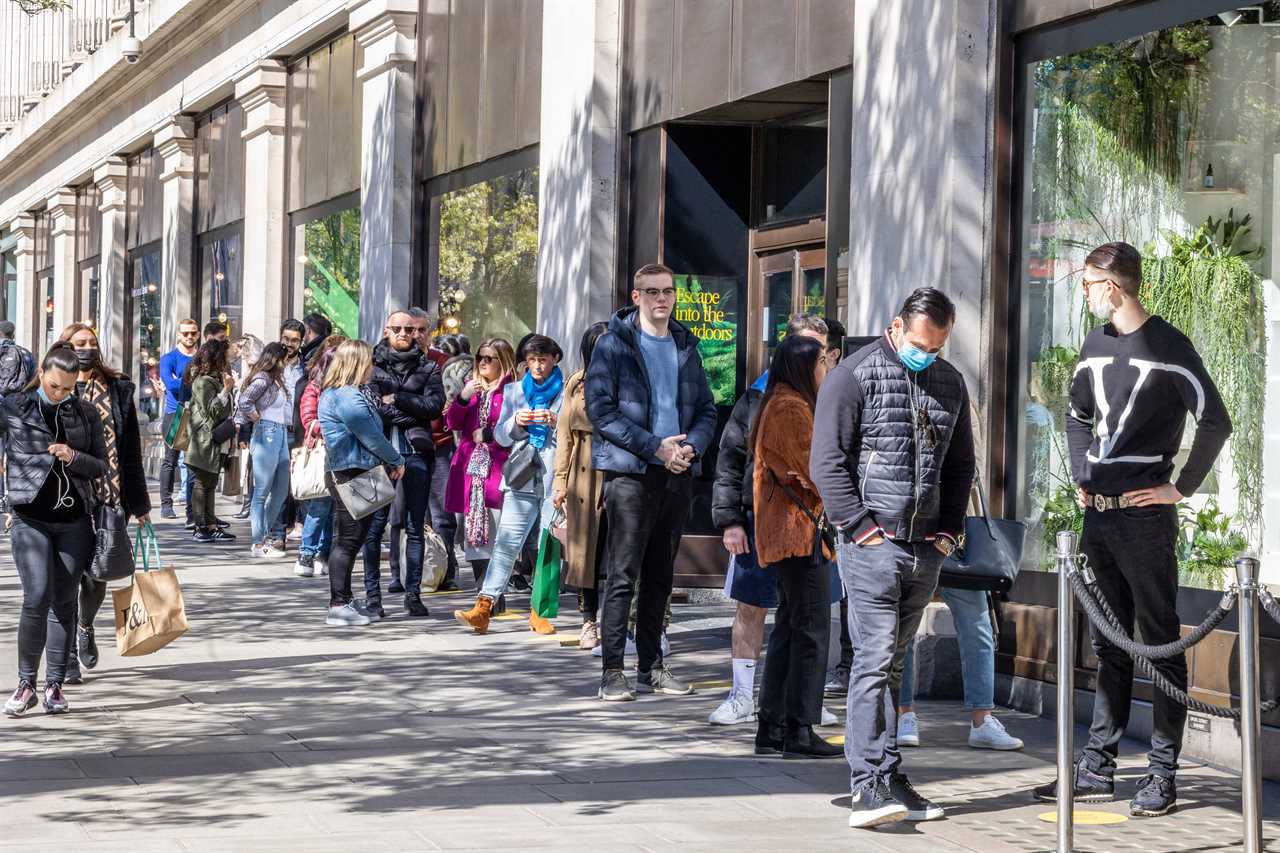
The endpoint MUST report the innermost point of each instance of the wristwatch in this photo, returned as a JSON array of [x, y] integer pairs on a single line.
[[945, 545]]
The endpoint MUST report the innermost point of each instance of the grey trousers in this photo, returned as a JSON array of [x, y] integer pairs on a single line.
[[888, 587]]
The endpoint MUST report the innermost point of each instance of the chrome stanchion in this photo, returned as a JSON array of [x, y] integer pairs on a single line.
[[1067, 544], [1250, 711]]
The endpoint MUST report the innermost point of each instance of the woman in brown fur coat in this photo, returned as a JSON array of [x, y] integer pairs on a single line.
[[787, 512]]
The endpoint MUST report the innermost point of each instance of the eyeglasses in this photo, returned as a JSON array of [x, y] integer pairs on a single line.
[[1090, 282], [486, 359], [655, 292], [407, 330], [191, 333]]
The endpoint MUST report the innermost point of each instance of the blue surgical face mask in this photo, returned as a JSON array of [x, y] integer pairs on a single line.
[[914, 358], [45, 397]]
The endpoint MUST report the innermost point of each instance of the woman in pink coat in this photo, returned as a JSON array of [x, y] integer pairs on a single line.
[[475, 473]]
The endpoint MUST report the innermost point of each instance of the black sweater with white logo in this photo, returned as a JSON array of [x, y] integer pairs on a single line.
[[1129, 400]]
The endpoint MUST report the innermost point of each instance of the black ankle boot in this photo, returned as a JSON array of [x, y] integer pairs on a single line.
[[803, 742], [769, 737]]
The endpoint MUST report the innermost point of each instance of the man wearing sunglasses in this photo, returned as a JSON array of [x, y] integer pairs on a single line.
[[173, 365], [410, 396]]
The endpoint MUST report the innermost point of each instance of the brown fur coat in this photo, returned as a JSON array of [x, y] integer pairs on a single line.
[[782, 451]]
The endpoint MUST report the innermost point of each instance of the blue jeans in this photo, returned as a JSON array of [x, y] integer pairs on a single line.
[[977, 643], [520, 512], [414, 490], [270, 451], [317, 527]]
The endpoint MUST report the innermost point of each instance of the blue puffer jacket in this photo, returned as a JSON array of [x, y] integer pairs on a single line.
[[352, 432], [618, 398]]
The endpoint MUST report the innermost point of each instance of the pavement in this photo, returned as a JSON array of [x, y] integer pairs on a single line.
[[264, 730]]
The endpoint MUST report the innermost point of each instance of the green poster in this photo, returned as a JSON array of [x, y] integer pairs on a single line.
[[708, 307]]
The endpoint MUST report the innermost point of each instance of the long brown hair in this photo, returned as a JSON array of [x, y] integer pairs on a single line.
[[793, 365], [271, 362], [103, 370], [506, 358], [321, 360]]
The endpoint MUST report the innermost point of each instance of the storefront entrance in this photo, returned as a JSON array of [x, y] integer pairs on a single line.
[[789, 277]]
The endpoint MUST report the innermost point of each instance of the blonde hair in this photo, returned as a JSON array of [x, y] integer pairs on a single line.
[[351, 361], [506, 358]]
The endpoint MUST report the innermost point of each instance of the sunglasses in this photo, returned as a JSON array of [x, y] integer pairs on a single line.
[[486, 359], [190, 333], [407, 330]]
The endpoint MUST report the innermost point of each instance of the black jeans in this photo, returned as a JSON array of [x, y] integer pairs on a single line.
[[413, 489], [169, 465], [445, 523], [646, 514], [50, 559], [349, 535], [204, 491], [795, 664], [1133, 555]]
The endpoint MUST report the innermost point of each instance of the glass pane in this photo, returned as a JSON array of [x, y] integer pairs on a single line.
[[330, 269], [815, 291], [146, 319], [489, 255], [49, 333], [1166, 142], [221, 271], [88, 296], [9, 292], [779, 306]]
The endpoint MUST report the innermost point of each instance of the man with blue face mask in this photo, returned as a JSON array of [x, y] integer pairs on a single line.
[[893, 460]]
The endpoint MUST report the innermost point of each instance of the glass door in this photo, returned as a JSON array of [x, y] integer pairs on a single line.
[[792, 281]]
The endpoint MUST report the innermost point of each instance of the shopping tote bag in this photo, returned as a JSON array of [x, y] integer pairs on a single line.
[[149, 612], [545, 598]]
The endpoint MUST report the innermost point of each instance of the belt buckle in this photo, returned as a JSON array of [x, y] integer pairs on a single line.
[[1100, 503]]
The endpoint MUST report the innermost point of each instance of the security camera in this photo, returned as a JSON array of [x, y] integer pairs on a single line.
[[131, 48]]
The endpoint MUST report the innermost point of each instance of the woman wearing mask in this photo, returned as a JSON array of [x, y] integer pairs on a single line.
[[578, 491], [530, 412], [354, 443], [787, 512], [55, 452], [245, 352], [317, 523], [266, 405], [125, 484], [475, 473], [211, 404]]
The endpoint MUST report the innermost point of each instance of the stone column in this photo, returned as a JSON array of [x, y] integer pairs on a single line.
[[174, 141], [111, 177], [386, 31], [62, 219], [577, 164], [260, 89], [29, 308], [920, 188]]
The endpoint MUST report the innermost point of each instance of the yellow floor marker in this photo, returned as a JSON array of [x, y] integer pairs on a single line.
[[566, 641], [835, 740], [711, 685], [512, 615], [1086, 818]]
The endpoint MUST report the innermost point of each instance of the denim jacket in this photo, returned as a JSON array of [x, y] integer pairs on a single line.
[[353, 432]]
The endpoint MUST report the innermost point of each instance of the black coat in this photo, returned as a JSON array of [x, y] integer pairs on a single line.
[[731, 493], [27, 438], [414, 379], [134, 499]]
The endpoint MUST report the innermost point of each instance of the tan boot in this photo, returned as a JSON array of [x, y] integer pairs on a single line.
[[540, 625], [477, 618]]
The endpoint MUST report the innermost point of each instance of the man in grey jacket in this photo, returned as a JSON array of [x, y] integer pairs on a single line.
[[893, 460]]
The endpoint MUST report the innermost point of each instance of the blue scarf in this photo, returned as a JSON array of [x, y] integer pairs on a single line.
[[541, 397]]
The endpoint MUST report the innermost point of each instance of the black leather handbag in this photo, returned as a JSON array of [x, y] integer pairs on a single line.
[[521, 466], [112, 553], [989, 557]]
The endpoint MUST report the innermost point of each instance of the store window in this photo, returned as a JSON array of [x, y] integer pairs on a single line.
[[1166, 141], [9, 286], [328, 267], [485, 264], [43, 258], [219, 159], [88, 252], [144, 297]]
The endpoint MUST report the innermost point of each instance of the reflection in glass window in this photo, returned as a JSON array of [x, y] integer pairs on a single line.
[[49, 335], [147, 346], [88, 297], [330, 267], [1165, 142], [222, 270], [489, 251]]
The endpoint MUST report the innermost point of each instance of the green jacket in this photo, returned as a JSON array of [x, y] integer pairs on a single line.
[[209, 407]]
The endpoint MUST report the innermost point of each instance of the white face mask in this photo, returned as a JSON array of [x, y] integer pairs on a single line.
[[1104, 309]]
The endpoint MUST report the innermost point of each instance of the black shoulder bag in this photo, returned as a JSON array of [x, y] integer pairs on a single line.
[[989, 554], [822, 534]]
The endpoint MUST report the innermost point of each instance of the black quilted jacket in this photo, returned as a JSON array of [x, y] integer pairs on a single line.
[[27, 438]]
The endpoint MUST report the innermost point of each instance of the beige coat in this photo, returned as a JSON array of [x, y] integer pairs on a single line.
[[582, 485]]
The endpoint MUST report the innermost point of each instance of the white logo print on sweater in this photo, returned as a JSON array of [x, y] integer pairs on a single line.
[[1107, 439]]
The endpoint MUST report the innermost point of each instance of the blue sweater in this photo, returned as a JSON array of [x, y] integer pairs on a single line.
[[172, 365]]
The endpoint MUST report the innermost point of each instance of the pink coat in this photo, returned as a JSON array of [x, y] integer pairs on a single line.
[[464, 419]]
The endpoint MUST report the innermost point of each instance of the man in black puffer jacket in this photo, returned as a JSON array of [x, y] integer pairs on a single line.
[[893, 460], [410, 395]]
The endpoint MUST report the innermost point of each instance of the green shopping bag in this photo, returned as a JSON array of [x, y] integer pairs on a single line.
[[545, 598]]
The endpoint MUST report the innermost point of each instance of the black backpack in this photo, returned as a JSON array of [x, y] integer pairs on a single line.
[[16, 368]]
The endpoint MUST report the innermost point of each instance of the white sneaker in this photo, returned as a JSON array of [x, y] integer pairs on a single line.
[[736, 708], [345, 615], [909, 729], [321, 565], [828, 718], [991, 735], [267, 551], [597, 652], [303, 570]]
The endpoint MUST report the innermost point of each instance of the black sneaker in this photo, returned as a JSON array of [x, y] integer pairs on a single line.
[[448, 586], [220, 535], [660, 680], [166, 511], [414, 607], [874, 805], [220, 524], [87, 646], [802, 742], [837, 684], [395, 587], [614, 687], [918, 808], [768, 737], [54, 701], [1090, 788], [1157, 795], [191, 525], [202, 535], [371, 608], [520, 582]]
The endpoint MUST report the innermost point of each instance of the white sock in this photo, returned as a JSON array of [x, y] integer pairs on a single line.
[[744, 677]]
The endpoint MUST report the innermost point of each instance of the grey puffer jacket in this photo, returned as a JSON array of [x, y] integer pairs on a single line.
[[27, 437], [893, 449]]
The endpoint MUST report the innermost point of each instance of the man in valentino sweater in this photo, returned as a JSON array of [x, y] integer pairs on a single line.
[[1137, 380]]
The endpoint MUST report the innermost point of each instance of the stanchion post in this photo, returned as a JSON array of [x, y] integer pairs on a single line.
[[1067, 543], [1250, 708]]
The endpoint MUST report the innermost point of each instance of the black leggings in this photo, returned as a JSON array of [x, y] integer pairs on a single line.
[[50, 558], [204, 492], [348, 540]]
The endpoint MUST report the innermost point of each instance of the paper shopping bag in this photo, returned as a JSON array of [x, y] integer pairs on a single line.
[[150, 613], [545, 598]]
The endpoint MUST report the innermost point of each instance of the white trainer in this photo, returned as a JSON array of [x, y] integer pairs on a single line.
[[909, 730], [345, 615], [736, 708], [321, 565], [991, 735], [828, 718], [304, 570]]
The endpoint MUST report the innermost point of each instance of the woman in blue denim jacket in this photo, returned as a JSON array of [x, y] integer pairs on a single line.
[[353, 443]]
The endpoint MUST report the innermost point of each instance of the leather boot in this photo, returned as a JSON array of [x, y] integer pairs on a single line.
[[478, 570], [477, 618], [539, 625]]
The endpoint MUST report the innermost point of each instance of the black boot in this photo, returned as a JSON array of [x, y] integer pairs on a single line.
[[413, 605], [769, 737], [478, 570], [803, 742]]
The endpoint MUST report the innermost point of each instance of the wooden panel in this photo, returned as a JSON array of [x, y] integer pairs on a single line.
[[466, 73], [764, 50], [704, 45], [502, 67], [824, 36], [648, 62]]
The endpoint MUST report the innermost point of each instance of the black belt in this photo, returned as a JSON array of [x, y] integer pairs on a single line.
[[1102, 503]]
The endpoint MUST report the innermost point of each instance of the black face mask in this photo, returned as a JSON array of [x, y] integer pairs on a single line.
[[87, 358]]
